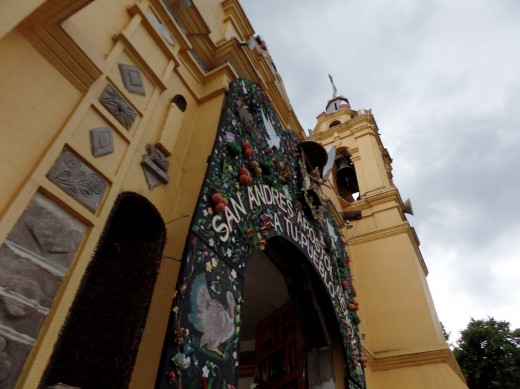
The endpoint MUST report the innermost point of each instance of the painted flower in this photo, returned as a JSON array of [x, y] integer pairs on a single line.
[[229, 252], [205, 371], [205, 212], [208, 266], [210, 211], [181, 361], [214, 262], [235, 354], [230, 136], [211, 242], [234, 273]]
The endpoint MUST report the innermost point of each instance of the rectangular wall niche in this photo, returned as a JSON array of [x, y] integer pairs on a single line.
[[33, 260]]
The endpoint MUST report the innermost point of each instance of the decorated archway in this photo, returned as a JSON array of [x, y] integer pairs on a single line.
[[262, 183]]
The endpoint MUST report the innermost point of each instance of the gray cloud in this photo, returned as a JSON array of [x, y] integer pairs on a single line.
[[442, 79]]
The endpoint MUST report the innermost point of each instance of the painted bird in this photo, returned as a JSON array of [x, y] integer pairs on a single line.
[[210, 317]]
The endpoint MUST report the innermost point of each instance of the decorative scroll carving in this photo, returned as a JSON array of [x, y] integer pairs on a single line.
[[78, 180], [132, 79], [118, 106], [102, 141], [155, 167]]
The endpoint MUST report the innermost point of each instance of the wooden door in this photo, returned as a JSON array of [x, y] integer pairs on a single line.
[[280, 354]]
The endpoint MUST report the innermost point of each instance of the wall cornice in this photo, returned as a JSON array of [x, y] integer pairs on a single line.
[[411, 358]]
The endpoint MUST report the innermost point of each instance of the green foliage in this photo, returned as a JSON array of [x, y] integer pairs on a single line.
[[488, 353], [446, 333]]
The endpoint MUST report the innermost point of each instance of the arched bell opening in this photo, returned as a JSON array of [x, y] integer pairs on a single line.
[[346, 177], [98, 343], [290, 336]]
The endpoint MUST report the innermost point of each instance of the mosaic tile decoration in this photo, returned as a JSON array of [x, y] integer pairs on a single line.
[[253, 191]]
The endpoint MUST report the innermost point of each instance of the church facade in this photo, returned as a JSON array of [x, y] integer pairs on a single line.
[[166, 222]]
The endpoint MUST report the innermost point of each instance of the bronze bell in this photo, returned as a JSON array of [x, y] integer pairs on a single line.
[[346, 176]]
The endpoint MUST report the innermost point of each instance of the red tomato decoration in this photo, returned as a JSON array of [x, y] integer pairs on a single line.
[[220, 207], [217, 198], [244, 179]]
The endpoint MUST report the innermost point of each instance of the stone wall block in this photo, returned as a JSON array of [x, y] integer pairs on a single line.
[[12, 358], [33, 260]]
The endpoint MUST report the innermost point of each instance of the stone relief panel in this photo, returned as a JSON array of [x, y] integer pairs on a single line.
[[78, 180], [118, 106], [132, 79], [155, 166], [102, 141], [34, 259]]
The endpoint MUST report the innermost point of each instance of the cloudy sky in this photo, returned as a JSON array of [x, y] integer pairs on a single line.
[[443, 80]]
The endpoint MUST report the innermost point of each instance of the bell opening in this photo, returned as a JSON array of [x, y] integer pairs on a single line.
[[346, 178]]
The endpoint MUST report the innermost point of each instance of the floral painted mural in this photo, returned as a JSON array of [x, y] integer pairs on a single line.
[[260, 184]]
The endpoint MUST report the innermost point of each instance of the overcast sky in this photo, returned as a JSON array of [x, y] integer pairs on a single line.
[[443, 81]]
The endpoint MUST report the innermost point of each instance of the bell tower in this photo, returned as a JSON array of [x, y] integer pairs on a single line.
[[402, 335]]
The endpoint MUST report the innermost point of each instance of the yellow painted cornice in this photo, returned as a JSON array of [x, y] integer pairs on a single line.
[[383, 233], [202, 57], [412, 357], [321, 131], [43, 29], [236, 15]]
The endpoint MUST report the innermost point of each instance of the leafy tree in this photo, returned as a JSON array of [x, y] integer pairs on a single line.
[[488, 353], [446, 333]]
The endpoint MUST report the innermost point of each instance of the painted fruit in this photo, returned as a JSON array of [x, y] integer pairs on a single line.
[[246, 145], [253, 164], [217, 198], [244, 179], [249, 153], [225, 201], [243, 170], [220, 207]]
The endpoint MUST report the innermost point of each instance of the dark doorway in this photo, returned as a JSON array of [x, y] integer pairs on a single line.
[[289, 325], [98, 344]]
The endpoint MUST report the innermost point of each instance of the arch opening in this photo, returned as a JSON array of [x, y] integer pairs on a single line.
[[287, 333], [98, 343]]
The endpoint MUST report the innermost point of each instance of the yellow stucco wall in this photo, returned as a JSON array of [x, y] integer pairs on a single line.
[[30, 118], [431, 376]]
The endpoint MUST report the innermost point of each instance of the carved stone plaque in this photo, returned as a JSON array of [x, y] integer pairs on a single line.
[[118, 106], [102, 141], [155, 167], [132, 79], [78, 180]]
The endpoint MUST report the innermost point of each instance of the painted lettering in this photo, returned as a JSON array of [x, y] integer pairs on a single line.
[[268, 194], [252, 198], [277, 225], [259, 193], [220, 228]]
